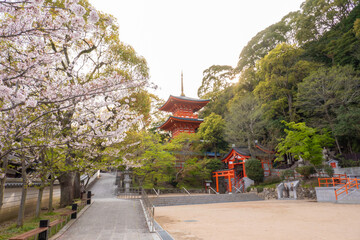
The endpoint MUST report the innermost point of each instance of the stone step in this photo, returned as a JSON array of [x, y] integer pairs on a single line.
[[352, 197], [204, 199]]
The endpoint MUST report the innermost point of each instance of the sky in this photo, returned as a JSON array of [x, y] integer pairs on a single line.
[[191, 35]]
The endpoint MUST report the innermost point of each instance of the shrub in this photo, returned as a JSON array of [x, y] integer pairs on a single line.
[[306, 171], [259, 189], [254, 170], [286, 174], [329, 170], [248, 189], [272, 180]]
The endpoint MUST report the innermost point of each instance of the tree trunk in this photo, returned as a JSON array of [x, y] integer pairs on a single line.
[[77, 185], [332, 129], [20, 220], [39, 200], [3, 180], [51, 192], [67, 188]]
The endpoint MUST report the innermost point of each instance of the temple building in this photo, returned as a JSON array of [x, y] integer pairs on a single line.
[[235, 172], [184, 117]]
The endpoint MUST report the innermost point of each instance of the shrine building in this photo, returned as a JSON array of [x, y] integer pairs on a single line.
[[184, 117], [235, 163]]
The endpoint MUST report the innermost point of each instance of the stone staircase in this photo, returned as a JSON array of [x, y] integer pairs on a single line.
[[352, 197], [203, 199]]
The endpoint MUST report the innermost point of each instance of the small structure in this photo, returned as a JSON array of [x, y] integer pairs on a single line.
[[333, 163], [287, 190], [235, 173]]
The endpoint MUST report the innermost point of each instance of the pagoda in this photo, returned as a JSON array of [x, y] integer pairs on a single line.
[[184, 117]]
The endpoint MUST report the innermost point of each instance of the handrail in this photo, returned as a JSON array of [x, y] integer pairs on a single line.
[[213, 190], [149, 210], [332, 181], [352, 182], [156, 192], [186, 191]]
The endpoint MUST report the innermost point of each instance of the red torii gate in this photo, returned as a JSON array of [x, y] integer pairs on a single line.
[[236, 157], [235, 161]]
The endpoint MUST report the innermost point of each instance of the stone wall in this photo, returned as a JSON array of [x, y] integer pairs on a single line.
[[271, 193], [352, 171]]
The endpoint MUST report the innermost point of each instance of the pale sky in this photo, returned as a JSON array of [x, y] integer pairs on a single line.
[[191, 35]]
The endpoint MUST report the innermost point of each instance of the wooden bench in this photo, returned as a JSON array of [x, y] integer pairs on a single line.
[[55, 223], [30, 233], [65, 214]]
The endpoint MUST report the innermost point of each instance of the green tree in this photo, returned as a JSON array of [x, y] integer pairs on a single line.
[[215, 79], [254, 170], [281, 71], [211, 131], [330, 97], [243, 123], [304, 142], [156, 165]]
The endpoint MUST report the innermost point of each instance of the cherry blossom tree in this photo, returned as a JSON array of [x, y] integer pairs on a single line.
[[62, 63]]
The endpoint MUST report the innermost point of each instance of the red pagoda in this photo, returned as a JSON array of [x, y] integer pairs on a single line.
[[184, 118]]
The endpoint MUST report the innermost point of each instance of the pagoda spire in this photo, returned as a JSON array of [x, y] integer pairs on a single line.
[[182, 85]]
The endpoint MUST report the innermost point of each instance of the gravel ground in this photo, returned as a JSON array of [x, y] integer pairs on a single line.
[[273, 219]]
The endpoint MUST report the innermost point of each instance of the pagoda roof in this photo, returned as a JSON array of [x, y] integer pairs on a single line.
[[197, 103], [171, 120]]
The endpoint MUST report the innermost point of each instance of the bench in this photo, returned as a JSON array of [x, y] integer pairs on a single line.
[[55, 223], [30, 233], [36, 231]]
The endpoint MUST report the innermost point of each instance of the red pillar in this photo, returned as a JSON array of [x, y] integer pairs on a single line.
[[244, 170], [217, 182], [230, 190]]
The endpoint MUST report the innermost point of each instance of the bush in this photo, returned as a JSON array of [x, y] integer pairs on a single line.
[[259, 189], [329, 170], [306, 171], [248, 189], [254, 170], [272, 180], [286, 174]]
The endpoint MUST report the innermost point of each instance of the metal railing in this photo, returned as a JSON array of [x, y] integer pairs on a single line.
[[351, 183], [334, 181], [128, 193], [149, 210]]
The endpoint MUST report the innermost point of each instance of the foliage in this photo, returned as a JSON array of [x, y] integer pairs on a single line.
[[330, 97], [215, 79], [306, 171], [243, 123], [287, 174], [304, 142], [281, 70], [329, 170], [217, 104], [211, 132], [156, 164], [254, 170]]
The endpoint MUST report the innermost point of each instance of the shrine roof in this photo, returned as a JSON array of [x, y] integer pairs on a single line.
[[242, 151], [173, 119], [263, 149], [178, 99]]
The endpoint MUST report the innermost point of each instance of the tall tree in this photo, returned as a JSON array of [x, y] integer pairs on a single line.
[[328, 96], [281, 71], [211, 132], [244, 122], [215, 79], [304, 142]]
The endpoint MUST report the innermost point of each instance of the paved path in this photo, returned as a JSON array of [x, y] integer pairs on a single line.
[[110, 218]]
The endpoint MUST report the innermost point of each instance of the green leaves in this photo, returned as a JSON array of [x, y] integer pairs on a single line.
[[304, 142]]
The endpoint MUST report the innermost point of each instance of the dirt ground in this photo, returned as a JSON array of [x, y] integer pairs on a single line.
[[288, 220]]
